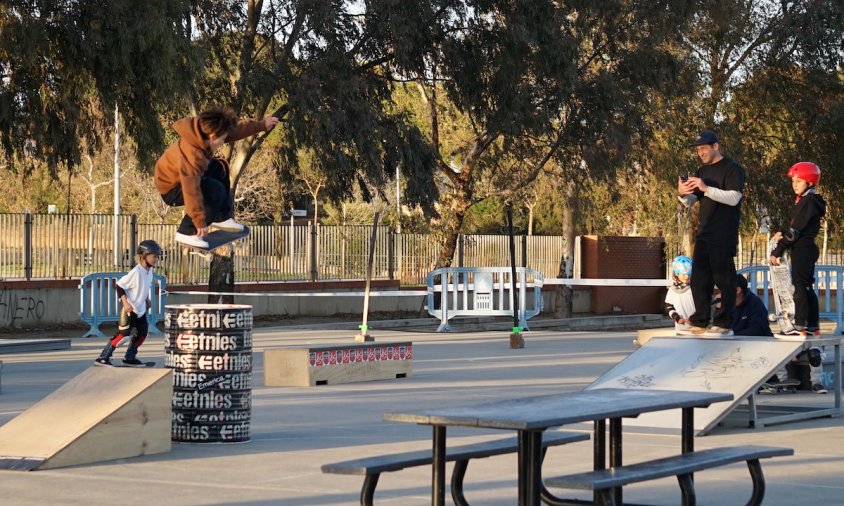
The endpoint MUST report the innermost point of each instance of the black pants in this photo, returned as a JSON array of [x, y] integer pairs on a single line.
[[713, 264], [127, 323], [804, 255], [216, 197]]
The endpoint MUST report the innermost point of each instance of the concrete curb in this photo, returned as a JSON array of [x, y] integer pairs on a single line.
[[604, 322]]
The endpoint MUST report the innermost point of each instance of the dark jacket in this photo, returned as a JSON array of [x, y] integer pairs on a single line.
[[751, 317], [805, 223]]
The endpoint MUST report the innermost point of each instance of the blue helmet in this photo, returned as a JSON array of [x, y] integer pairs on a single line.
[[682, 265]]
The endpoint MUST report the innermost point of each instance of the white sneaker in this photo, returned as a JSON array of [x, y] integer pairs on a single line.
[[192, 240], [791, 335], [229, 226]]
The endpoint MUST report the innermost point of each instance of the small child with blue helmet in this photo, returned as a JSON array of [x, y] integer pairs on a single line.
[[679, 302]]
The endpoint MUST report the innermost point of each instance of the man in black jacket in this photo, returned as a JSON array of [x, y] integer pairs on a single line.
[[718, 185]]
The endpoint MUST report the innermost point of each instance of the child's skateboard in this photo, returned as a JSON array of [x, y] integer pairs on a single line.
[[788, 385], [783, 291], [145, 364], [218, 238], [121, 364]]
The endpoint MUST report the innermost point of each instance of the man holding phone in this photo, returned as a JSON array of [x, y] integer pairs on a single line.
[[717, 185]]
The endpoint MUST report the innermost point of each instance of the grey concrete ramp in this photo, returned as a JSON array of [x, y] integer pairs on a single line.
[[738, 365], [102, 414]]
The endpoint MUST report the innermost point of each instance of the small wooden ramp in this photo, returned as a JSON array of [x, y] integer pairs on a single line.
[[738, 365], [104, 413]]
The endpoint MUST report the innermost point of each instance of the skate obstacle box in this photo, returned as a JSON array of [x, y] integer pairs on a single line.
[[337, 363], [105, 413], [209, 347]]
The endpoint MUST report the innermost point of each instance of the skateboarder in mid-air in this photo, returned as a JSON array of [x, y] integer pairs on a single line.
[[188, 175], [679, 302], [799, 236], [133, 290]]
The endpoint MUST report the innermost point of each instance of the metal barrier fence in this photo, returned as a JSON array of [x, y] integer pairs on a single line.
[[483, 291], [64, 246], [99, 303], [829, 280], [50, 246]]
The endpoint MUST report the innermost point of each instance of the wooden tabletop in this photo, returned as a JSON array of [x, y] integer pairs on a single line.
[[546, 411]]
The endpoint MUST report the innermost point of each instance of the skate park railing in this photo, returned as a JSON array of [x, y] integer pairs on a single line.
[[483, 291], [99, 303], [829, 278]]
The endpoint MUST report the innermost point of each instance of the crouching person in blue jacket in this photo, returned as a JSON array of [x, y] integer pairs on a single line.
[[751, 316]]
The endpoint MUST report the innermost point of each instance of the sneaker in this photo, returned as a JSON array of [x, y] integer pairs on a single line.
[[791, 335], [819, 389], [228, 225], [192, 240], [813, 331], [696, 330], [815, 356], [716, 331], [103, 362], [133, 362]]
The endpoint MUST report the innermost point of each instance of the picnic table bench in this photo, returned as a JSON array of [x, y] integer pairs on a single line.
[[682, 466], [531, 416], [372, 467]]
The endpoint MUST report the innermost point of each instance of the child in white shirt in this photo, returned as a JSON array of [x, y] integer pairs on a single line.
[[133, 290]]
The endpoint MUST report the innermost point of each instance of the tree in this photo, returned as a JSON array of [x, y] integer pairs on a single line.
[[733, 38], [64, 66], [539, 81], [319, 65]]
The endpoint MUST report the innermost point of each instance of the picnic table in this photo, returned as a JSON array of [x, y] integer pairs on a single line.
[[531, 416]]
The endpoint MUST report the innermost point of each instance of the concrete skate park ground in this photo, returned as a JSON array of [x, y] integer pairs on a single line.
[[296, 430]]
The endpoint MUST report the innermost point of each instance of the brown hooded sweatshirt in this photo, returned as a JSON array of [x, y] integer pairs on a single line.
[[186, 160]]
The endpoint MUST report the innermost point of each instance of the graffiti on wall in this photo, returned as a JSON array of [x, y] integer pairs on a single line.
[[16, 308]]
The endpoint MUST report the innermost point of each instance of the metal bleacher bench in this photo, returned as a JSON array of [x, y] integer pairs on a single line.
[[682, 466], [98, 301], [372, 467]]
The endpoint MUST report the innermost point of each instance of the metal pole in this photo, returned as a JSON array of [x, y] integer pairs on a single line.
[[438, 474], [118, 250], [513, 279], [133, 234], [364, 335], [27, 246], [292, 249], [524, 251], [313, 250], [391, 255], [398, 200]]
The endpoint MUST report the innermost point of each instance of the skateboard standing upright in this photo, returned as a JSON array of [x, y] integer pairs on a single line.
[[783, 291]]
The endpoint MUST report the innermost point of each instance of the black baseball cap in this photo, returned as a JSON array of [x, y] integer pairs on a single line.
[[705, 137]]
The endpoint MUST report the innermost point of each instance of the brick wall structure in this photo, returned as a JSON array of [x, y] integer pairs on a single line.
[[628, 258]]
